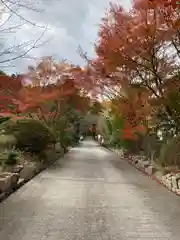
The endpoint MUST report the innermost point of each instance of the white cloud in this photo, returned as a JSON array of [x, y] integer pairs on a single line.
[[70, 23]]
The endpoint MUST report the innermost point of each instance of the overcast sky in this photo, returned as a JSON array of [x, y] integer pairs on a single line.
[[70, 23]]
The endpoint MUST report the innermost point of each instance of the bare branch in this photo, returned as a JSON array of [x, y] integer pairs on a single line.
[[83, 54], [1, 25], [21, 5], [35, 45], [5, 3], [21, 50]]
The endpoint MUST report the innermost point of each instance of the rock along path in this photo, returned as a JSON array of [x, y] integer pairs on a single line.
[[90, 194]]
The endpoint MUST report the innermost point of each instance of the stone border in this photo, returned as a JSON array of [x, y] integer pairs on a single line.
[[19, 182], [170, 181]]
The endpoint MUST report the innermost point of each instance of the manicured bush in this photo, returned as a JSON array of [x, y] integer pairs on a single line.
[[32, 135]]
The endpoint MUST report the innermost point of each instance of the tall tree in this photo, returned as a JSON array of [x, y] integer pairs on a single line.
[[134, 47]]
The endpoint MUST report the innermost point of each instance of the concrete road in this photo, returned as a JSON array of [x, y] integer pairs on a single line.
[[93, 195]]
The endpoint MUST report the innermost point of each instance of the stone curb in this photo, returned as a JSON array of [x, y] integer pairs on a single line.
[[21, 181], [153, 177]]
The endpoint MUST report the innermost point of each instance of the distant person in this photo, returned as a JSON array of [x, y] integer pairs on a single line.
[[94, 131]]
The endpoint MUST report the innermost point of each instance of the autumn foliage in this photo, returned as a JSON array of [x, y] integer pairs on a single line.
[[42, 93], [136, 68], [140, 47]]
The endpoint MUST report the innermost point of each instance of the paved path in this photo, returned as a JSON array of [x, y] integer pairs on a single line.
[[92, 195]]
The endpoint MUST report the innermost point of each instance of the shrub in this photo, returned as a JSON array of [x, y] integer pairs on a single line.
[[9, 157], [130, 146], [67, 137], [4, 119], [66, 133], [12, 158], [1, 158], [169, 153], [32, 135]]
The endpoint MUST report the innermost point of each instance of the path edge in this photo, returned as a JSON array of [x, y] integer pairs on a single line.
[[142, 170], [22, 182]]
